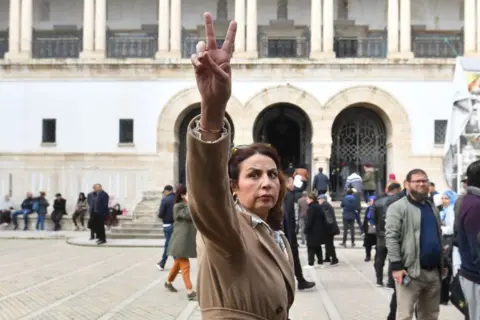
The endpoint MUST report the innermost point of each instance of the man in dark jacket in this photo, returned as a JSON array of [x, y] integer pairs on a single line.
[[98, 206], [320, 182], [166, 214], [59, 209], [379, 211], [350, 212], [289, 226], [26, 209]]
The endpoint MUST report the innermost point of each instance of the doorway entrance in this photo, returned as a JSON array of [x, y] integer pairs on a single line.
[[287, 128], [359, 137], [192, 112]]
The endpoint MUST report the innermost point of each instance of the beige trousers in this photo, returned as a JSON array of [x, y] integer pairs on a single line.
[[424, 292]]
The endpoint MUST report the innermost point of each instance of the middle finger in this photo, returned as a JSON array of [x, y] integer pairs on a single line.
[[210, 31]]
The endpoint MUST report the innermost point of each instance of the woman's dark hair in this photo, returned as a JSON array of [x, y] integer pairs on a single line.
[[349, 191], [312, 196], [81, 196], [275, 216], [473, 174], [181, 191]]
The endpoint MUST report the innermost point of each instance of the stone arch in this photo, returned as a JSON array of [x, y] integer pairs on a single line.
[[389, 109], [281, 94], [168, 126]]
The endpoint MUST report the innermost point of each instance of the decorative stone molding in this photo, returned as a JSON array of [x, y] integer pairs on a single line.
[[169, 124], [281, 94], [393, 114]]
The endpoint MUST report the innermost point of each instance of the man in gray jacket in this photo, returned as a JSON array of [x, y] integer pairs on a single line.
[[414, 245]]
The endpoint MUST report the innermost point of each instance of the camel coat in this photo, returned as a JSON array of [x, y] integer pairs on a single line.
[[243, 274]]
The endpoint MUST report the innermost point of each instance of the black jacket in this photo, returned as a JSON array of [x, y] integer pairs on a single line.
[[379, 211], [289, 223], [315, 225], [27, 204], [60, 206], [166, 208]]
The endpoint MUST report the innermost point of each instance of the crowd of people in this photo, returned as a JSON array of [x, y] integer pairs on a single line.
[[243, 208], [101, 209]]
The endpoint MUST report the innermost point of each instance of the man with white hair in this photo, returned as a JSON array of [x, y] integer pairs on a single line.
[[6, 208]]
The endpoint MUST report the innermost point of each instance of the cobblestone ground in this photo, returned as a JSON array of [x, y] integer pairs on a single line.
[[49, 279]]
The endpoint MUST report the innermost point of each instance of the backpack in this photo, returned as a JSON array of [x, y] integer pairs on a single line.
[[36, 206], [331, 222]]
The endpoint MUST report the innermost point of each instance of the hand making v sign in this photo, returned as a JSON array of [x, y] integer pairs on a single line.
[[214, 76]]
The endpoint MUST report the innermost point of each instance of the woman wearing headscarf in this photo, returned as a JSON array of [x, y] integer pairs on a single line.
[[447, 217], [369, 229]]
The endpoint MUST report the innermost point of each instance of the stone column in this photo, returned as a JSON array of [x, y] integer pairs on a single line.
[[88, 29], [163, 29], [478, 27], [392, 29], [316, 29], [26, 29], [176, 29], [14, 30], [240, 38], [100, 28], [252, 29], [469, 27], [328, 29], [405, 30]]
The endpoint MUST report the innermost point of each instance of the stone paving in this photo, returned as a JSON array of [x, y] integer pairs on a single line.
[[50, 279]]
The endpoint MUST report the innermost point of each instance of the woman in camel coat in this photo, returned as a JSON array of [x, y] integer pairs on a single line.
[[245, 262]]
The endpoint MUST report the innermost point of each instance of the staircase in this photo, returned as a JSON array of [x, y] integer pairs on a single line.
[[146, 225]]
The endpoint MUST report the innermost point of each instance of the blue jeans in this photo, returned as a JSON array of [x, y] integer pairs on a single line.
[[167, 231], [25, 213], [41, 222]]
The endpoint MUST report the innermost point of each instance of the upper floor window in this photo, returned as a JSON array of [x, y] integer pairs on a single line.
[[440, 131], [126, 131], [49, 130]]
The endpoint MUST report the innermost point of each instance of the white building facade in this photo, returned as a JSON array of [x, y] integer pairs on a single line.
[[101, 91]]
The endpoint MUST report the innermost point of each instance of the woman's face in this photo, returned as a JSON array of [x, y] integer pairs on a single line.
[[185, 197], [258, 184], [445, 201], [309, 200]]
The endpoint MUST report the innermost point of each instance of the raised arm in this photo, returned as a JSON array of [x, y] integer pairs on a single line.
[[209, 198], [208, 142]]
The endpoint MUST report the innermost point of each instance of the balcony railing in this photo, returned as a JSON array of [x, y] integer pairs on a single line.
[[3, 45], [269, 47], [132, 45], [56, 46], [437, 47], [375, 47]]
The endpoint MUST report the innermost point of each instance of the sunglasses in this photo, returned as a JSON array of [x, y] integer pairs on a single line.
[[243, 146]]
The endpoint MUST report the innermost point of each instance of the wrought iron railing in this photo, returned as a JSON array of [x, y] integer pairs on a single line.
[[374, 47], [132, 45], [56, 47], [437, 47], [3, 46], [273, 47]]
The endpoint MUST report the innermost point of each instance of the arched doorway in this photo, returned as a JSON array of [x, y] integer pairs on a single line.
[[359, 137], [288, 129], [190, 113]]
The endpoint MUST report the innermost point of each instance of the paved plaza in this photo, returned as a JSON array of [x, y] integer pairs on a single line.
[[49, 279]]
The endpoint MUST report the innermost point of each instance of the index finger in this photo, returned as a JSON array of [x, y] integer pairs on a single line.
[[210, 31], [229, 43]]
